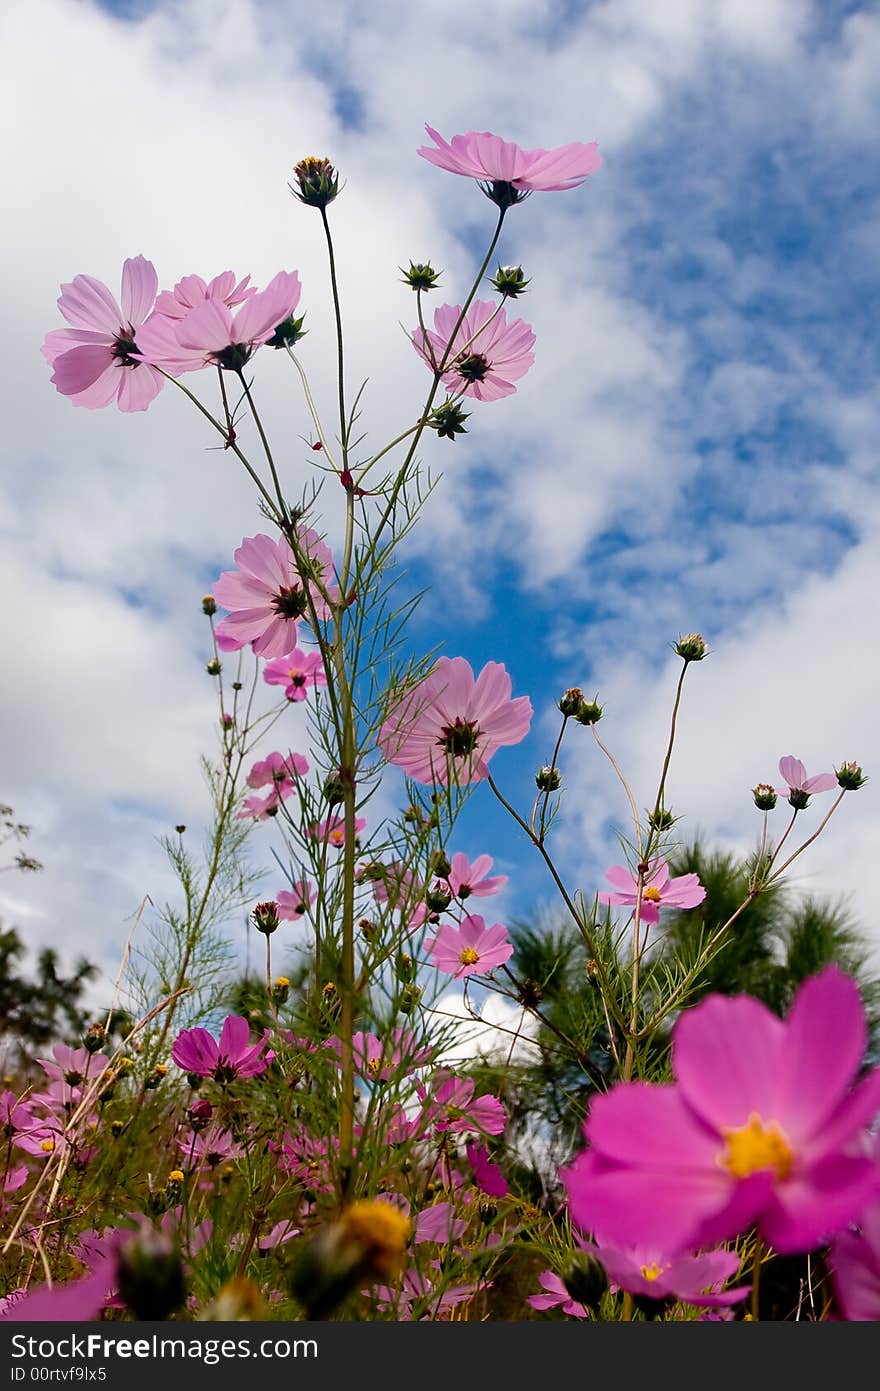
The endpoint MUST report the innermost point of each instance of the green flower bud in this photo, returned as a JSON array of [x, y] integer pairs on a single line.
[[590, 712], [448, 420], [209, 605], [420, 276], [691, 647], [548, 779], [288, 332], [265, 917], [850, 777], [214, 667], [150, 1275], [765, 796], [317, 182], [509, 281], [571, 701], [584, 1278]]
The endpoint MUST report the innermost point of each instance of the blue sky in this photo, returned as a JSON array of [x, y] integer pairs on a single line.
[[695, 448]]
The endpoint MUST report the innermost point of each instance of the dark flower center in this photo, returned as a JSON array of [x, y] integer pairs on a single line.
[[123, 347], [460, 739], [473, 367], [233, 357], [290, 603]]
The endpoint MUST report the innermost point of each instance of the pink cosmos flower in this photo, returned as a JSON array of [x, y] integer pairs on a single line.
[[333, 829], [266, 594], [379, 1060], [466, 879], [417, 1297], [308, 1160], [487, 1175], [192, 291], [78, 1301], [683, 891], [438, 1223], [69, 1070], [296, 673], [205, 1149], [198, 1052], [453, 1107], [450, 725], [279, 771], [506, 173], [556, 1296], [650, 1275], [855, 1268], [798, 787], [485, 356], [758, 1128], [210, 335], [96, 360], [471, 949], [293, 903]]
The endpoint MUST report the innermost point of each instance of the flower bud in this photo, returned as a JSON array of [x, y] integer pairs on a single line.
[[571, 701], [660, 819], [584, 1278], [765, 796], [420, 276], [369, 929], [530, 993], [280, 990], [589, 712], [405, 966], [288, 332], [548, 779], [438, 899], [331, 1001], [410, 998], [850, 777], [214, 667], [487, 1210], [317, 180], [150, 1276], [440, 865], [509, 281], [334, 792], [154, 1078], [94, 1037], [691, 647], [117, 1128], [209, 605], [265, 917], [367, 1242], [448, 420], [200, 1113], [180, 829]]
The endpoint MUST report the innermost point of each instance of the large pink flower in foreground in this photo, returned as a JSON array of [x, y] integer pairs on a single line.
[[484, 356], [659, 891], [95, 361], [451, 724], [199, 1053], [210, 334], [508, 173], [266, 595], [472, 949], [761, 1126]]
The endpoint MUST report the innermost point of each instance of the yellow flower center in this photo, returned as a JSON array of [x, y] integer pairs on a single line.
[[381, 1230], [336, 837], [652, 1272], [469, 957], [651, 894], [374, 1065], [758, 1145], [293, 673], [47, 1146]]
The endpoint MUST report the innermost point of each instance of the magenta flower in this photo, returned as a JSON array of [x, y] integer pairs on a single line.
[[695, 1279], [506, 173], [296, 673], [379, 1060], [198, 1052], [266, 595], [450, 725], [471, 879], [96, 360], [556, 1296], [308, 1160], [854, 1258], [210, 335], [453, 1107], [485, 356], [471, 949], [438, 1223], [659, 891], [798, 787], [78, 1301], [487, 1175], [205, 1149], [333, 829], [293, 903], [758, 1128], [279, 771]]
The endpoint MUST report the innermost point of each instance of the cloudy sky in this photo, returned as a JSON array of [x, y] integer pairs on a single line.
[[696, 446]]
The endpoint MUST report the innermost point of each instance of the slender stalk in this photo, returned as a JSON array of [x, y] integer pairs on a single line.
[[340, 350], [265, 443]]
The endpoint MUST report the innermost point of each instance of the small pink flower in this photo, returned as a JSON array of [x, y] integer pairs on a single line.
[[659, 891], [96, 360], [198, 1052], [556, 1296], [471, 949], [485, 356], [210, 335], [471, 879], [206, 1149], [453, 1107], [266, 595], [293, 903], [296, 673], [798, 787], [695, 1279], [508, 173], [451, 724], [280, 771], [380, 1060], [333, 829]]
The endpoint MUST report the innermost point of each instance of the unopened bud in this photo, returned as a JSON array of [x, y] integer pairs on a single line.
[[280, 990], [548, 779], [288, 332], [200, 1113], [150, 1275], [214, 667], [488, 1211], [209, 605], [765, 796], [850, 777], [265, 917], [530, 993], [410, 998], [116, 1128], [691, 647], [509, 281], [438, 899], [317, 182], [94, 1037], [660, 819], [571, 701], [585, 1279], [154, 1078], [440, 865], [448, 420], [589, 712], [420, 276]]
